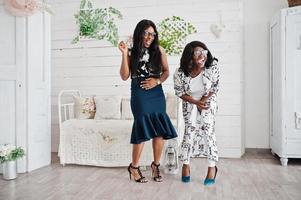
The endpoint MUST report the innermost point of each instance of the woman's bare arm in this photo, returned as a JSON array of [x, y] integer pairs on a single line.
[[125, 62]]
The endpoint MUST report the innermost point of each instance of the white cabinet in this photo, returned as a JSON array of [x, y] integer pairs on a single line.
[[285, 101], [25, 86]]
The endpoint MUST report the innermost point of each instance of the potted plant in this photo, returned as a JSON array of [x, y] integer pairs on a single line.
[[8, 156], [97, 23]]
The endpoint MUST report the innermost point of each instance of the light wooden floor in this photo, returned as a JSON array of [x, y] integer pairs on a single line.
[[257, 175]]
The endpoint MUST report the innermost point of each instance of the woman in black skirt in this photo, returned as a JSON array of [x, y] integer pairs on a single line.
[[146, 63]]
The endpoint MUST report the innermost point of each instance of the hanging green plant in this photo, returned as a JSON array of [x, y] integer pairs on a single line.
[[172, 34], [97, 23]]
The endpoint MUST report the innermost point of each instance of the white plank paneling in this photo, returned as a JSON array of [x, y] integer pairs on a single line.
[[92, 66], [228, 58], [85, 52]]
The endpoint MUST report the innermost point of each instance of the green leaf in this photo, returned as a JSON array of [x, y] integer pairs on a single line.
[[75, 40], [82, 4], [173, 32], [90, 5], [97, 23]]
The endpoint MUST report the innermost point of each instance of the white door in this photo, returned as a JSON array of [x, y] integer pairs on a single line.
[[12, 66], [25, 86], [293, 86], [38, 91]]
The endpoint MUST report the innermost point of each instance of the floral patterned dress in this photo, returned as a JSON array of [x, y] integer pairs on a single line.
[[143, 70], [199, 137]]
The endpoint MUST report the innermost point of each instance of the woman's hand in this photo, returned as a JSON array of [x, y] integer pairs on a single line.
[[203, 103], [123, 47], [204, 99], [202, 106], [149, 83]]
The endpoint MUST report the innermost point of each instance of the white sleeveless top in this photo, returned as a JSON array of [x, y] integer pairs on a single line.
[[197, 86], [197, 91]]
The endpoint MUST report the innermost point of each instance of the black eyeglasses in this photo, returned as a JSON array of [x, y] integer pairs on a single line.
[[200, 53], [149, 34]]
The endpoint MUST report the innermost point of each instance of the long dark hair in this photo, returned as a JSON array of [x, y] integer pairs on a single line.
[[186, 64], [137, 50]]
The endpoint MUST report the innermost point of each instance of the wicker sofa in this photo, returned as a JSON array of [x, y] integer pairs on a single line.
[[105, 140]]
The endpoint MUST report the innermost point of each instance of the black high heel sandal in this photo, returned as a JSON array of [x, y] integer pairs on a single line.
[[156, 172], [142, 179]]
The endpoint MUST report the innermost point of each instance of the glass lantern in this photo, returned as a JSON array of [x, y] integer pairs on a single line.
[[171, 164]]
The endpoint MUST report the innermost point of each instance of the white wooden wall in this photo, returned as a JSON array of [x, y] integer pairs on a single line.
[[93, 66], [257, 16]]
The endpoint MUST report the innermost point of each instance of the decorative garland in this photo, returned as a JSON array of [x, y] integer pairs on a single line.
[[23, 8]]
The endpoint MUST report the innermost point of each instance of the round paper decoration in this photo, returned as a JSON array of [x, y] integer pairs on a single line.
[[23, 8]]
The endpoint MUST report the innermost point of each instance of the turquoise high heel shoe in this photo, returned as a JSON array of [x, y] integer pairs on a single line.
[[209, 181], [186, 179]]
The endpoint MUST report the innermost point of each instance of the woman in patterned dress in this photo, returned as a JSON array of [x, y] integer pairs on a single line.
[[196, 82], [146, 63]]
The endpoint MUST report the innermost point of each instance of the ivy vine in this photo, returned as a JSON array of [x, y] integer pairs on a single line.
[[97, 23], [172, 34]]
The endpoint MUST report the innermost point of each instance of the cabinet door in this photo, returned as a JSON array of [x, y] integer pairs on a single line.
[[277, 83], [293, 81], [12, 87]]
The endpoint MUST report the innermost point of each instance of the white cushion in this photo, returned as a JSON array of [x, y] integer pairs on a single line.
[[126, 112], [108, 107], [84, 107]]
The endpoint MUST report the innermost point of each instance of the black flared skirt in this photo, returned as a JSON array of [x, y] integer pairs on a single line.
[[149, 111]]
